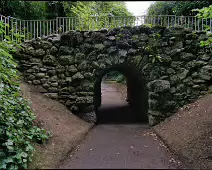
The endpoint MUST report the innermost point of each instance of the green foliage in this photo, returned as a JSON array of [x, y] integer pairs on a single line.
[[11, 35], [185, 7], [97, 15], [204, 13], [89, 14], [121, 79], [23, 9], [161, 8], [55, 9], [207, 43], [179, 8], [153, 49], [52, 9], [17, 130], [115, 76]]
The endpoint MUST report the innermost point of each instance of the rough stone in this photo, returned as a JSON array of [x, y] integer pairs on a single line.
[[112, 38], [46, 44], [53, 79], [66, 59], [159, 85], [68, 79], [36, 82], [183, 74], [40, 75], [51, 95], [31, 77], [43, 69], [30, 51], [123, 53], [53, 50], [46, 86], [39, 52], [205, 57], [55, 84], [66, 50], [99, 47], [82, 66], [49, 60], [67, 66], [52, 89], [51, 72], [72, 69], [78, 75], [112, 50], [187, 56], [43, 80]]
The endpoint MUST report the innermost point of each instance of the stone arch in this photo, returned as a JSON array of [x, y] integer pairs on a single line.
[[136, 89], [176, 69]]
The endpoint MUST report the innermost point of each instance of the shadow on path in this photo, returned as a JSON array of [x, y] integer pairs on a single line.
[[116, 114]]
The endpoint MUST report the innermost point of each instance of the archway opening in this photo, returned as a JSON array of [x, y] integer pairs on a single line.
[[125, 101]]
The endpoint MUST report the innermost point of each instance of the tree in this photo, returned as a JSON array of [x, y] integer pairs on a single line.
[[161, 8], [55, 9], [180, 8], [23, 9], [99, 14], [87, 15], [205, 13], [185, 7]]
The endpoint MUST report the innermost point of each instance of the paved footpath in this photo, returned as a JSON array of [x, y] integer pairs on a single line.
[[116, 146]]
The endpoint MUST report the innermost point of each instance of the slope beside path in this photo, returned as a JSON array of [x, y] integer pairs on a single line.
[[68, 130], [188, 133]]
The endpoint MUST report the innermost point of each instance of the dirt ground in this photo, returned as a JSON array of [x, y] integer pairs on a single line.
[[189, 133], [68, 130]]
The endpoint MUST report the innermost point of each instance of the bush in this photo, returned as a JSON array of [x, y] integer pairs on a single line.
[[121, 79], [115, 76], [17, 130], [205, 13]]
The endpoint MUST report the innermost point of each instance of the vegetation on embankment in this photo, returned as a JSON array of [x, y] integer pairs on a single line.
[[115, 76], [17, 129]]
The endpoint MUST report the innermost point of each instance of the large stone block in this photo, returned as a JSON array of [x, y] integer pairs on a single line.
[[159, 86]]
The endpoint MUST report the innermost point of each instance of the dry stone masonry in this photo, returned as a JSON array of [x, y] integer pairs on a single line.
[[175, 69]]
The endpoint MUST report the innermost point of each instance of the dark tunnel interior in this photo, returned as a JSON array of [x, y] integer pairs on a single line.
[[134, 110]]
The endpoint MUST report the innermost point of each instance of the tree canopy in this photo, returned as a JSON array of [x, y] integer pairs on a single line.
[[51, 9], [179, 8]]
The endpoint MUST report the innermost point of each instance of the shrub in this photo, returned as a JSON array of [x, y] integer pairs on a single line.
[[205, 13], [17, 130]]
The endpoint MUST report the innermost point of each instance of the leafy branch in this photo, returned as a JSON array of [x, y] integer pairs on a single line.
[[17, 129]]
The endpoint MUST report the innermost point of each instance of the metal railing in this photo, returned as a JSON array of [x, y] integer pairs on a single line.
[[37, 28]]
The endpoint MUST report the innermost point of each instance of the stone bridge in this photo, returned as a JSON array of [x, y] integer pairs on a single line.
[[165, 68]]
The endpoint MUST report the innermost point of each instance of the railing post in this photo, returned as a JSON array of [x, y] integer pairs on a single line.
[[34, 28], [56, 25]]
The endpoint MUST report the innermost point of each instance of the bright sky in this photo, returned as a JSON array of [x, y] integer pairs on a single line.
[[138, 7]]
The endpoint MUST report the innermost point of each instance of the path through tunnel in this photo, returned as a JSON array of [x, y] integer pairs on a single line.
[[111, 106]]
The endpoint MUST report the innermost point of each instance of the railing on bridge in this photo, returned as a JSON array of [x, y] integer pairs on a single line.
[[38, 28]]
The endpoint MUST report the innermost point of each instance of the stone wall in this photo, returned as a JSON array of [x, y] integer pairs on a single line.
[[176, 70]]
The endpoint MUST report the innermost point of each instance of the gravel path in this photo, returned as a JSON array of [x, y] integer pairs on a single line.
[[120, 145]]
